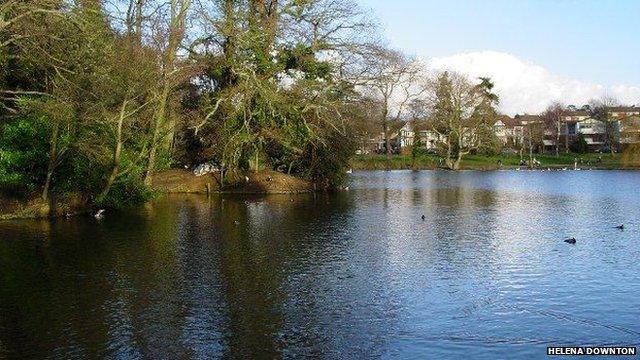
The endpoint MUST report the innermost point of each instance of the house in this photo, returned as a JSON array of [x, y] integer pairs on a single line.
[[629, 130], [579, 122], [418, 130], [594, 132], [618, 112], [627, 124], [530, 129], [394, 130], [509, 131]]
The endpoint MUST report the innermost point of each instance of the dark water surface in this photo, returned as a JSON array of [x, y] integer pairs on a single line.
[[355, 274]]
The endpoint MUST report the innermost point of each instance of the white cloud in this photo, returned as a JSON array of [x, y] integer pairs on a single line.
[[526, 87]]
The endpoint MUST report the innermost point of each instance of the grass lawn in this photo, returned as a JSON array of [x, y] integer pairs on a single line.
[[485, 162]]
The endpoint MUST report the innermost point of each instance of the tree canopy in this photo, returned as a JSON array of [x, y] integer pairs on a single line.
[[98, 96]]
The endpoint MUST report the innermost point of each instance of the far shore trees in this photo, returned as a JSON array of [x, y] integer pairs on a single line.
[[552, 118], [600, 109], [461, 112], [392, 79], [533, 138]]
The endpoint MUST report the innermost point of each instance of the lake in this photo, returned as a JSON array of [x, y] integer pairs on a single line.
[[347, 275]]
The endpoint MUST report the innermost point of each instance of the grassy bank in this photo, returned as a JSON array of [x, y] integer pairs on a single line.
[[262, 182], [484, 162], [31, 206]]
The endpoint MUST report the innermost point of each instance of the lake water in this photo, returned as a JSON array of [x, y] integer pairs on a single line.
[[355, 274]]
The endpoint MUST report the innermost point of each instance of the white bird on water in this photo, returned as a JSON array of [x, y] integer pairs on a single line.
[[99, 214]]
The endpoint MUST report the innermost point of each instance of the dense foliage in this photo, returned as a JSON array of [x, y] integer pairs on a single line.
[[97, 97]]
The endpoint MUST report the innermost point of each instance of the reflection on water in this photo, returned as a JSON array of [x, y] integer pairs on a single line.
[[349, 275]]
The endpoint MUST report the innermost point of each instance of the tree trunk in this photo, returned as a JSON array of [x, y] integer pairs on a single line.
[[385, 129], [456, 163], [53, 158], [611, 136], [387, 143], [116, 153], [530, 153], [453, 164], [566, 138], [447, 160], [157, 129], [176, 33], [138, 20], [47, 183], [557, 139], [151, 164]]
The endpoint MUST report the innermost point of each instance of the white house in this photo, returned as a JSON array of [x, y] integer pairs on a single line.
[[414, 130], [509, 130]]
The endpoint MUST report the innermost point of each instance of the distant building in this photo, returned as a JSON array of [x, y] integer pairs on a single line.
[[579, 122], [378, 143], [513, 132], [509, 131], [418, 130]]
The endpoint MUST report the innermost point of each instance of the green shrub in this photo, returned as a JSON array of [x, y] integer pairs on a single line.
[[24, 152]]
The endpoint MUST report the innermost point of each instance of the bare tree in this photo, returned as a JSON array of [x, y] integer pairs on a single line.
[[600, 109], [552, 118], [391, 78], [461, 113], [534, 134], [18, 13], [175, 34]]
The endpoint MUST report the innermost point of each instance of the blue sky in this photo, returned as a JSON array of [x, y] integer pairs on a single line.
[[597, 42]]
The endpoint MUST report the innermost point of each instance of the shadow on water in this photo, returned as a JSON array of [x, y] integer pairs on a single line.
[[352, 274]]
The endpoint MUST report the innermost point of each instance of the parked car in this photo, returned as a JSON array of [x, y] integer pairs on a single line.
[[509, 151]]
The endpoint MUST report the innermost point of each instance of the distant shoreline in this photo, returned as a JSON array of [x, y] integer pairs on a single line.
[[272, 183], [499, 162]]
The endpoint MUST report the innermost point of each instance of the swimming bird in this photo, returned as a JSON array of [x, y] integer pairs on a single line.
[[423, 217], [621, 227], [99, 214], [350, 171], [570, 240]]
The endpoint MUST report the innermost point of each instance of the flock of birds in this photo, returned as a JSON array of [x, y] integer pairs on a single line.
[[570, 240], [98, 215]]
